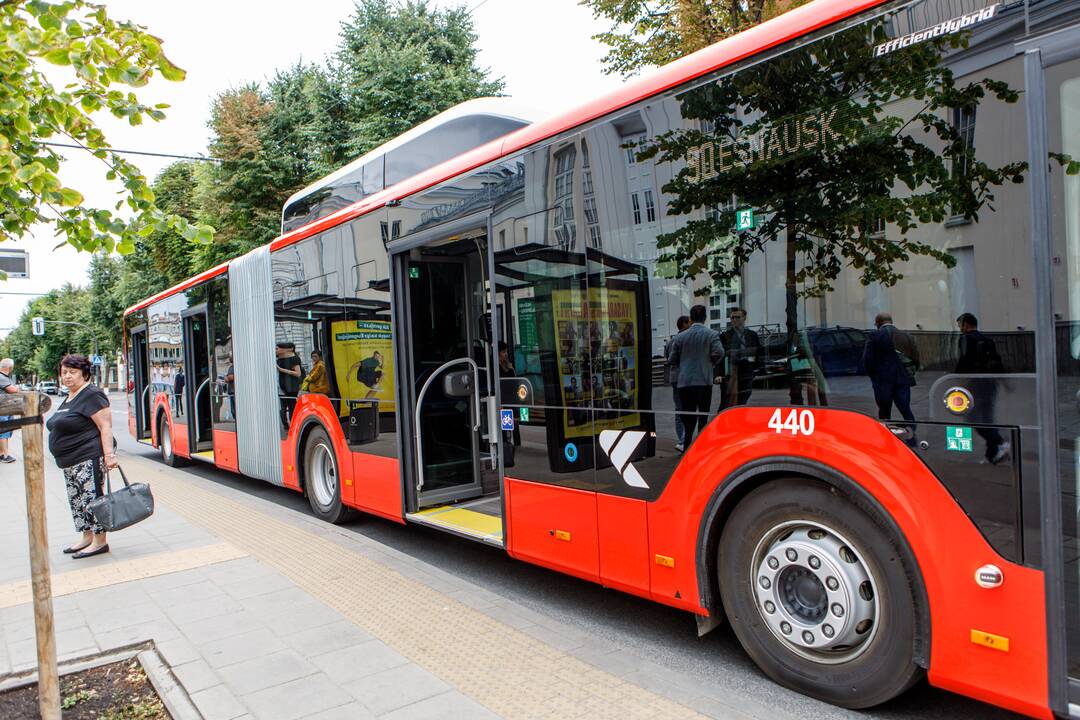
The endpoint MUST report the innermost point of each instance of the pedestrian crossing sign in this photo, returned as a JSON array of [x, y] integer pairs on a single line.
[[958, 439]]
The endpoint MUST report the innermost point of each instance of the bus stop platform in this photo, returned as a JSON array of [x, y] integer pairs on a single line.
[[263, 612]]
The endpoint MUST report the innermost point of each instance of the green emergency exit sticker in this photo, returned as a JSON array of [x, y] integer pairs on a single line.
[[414, 272], [523, 414], [958, 439], [744, 219]]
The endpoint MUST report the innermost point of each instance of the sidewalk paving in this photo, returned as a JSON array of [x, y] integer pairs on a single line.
[[265, 613]]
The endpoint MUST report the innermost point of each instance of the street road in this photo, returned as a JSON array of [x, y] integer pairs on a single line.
[[715, 663]]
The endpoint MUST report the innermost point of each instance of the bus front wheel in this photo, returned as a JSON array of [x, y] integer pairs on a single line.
[[816, 591], [322, 480]]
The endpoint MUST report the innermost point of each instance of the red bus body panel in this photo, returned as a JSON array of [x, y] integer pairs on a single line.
[[371, 483], [225, 452], [947, 546], [554, 527], [623, 526]]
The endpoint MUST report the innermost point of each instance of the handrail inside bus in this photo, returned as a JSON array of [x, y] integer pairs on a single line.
[[195, 408], [420, 404]]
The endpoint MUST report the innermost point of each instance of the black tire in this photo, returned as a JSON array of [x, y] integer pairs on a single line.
[[879, 664], [168, 453], [322, 480]]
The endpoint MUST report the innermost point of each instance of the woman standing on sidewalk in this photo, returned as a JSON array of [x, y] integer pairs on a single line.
[[81, 441]]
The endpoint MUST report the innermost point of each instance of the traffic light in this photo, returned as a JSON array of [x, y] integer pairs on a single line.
[[38, 325]]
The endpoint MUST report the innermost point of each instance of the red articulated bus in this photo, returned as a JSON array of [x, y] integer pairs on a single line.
[[862, 453]]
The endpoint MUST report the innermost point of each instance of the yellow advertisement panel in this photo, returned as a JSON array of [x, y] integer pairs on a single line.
[[364, 361], [596, 351]]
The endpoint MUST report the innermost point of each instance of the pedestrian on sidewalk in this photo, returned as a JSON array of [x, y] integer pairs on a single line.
[[81, 441], [7, 385]]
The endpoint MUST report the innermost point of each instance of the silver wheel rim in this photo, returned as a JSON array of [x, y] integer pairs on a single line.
[[815, 592], [322, 475], [166, 440]]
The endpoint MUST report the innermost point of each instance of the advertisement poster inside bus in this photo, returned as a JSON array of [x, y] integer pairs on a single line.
[[596, 352], [363, 353]]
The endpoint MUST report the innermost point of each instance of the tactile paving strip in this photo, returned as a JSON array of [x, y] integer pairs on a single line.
[[104, 574], [513, 674]]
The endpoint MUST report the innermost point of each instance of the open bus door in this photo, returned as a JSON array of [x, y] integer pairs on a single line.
[[195, 396], [444, 302], [139, 382]]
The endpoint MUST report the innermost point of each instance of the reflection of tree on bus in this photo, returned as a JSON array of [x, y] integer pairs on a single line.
[[369, 373]]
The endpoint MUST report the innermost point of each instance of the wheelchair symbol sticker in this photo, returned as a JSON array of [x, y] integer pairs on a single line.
[[570, 451]]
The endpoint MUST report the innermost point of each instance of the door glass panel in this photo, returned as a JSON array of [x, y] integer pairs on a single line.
[[1063, 121], [439, 305], [198, 378]]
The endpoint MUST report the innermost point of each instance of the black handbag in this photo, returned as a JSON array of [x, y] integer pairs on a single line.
[[123, 508]]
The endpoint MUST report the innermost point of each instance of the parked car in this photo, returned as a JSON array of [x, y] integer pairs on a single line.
[[64, 390], [49, 387], [25, 387]]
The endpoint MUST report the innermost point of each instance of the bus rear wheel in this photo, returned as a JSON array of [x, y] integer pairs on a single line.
[[322, 481], [815, 590], [165, 444]]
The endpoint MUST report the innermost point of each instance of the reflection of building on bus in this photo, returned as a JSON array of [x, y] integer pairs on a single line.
[[580, 242]]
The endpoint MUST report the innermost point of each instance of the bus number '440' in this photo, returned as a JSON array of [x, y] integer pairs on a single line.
[[797, 422]]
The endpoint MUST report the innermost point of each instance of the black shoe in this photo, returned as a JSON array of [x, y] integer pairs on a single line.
[[100, 551], [7, 458], [72, 550]]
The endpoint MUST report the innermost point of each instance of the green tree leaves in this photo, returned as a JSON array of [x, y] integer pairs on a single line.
[[648, 33], [102, 53]]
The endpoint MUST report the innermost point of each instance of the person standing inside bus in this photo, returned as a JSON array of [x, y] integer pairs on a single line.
[[289, 372], [696, 351], [673, 377], [891, 360], [7, 385]]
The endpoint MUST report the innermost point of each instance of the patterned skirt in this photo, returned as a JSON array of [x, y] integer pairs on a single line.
[[84, 483]]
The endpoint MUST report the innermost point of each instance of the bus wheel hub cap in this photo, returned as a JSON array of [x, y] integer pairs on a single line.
[[814, 592]]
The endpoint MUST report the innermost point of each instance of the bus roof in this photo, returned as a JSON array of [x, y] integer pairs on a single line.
[[789, 26]]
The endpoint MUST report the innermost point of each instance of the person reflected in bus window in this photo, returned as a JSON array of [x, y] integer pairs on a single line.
[[178, 389], [317, 380], [891, 360], [978, 355], [369, 373], [742, 347], [290, 370], [673, 378], [696, 351]]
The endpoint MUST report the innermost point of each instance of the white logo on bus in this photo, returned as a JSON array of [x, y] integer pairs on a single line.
[[797, 422]]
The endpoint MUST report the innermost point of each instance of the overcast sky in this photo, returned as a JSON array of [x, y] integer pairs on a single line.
[[543, 51]]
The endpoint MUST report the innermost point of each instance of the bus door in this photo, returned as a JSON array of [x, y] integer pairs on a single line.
[[198, 376], [1052, 72], [139, 383], [444, 297]]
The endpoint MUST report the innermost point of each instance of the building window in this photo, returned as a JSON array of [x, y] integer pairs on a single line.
[[594, 236], [963, 120], [631, 143], [637, 208], [650, 207], [565, 227], [592, 217]]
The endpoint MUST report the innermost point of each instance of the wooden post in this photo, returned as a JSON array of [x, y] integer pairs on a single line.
[[34, 469]]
